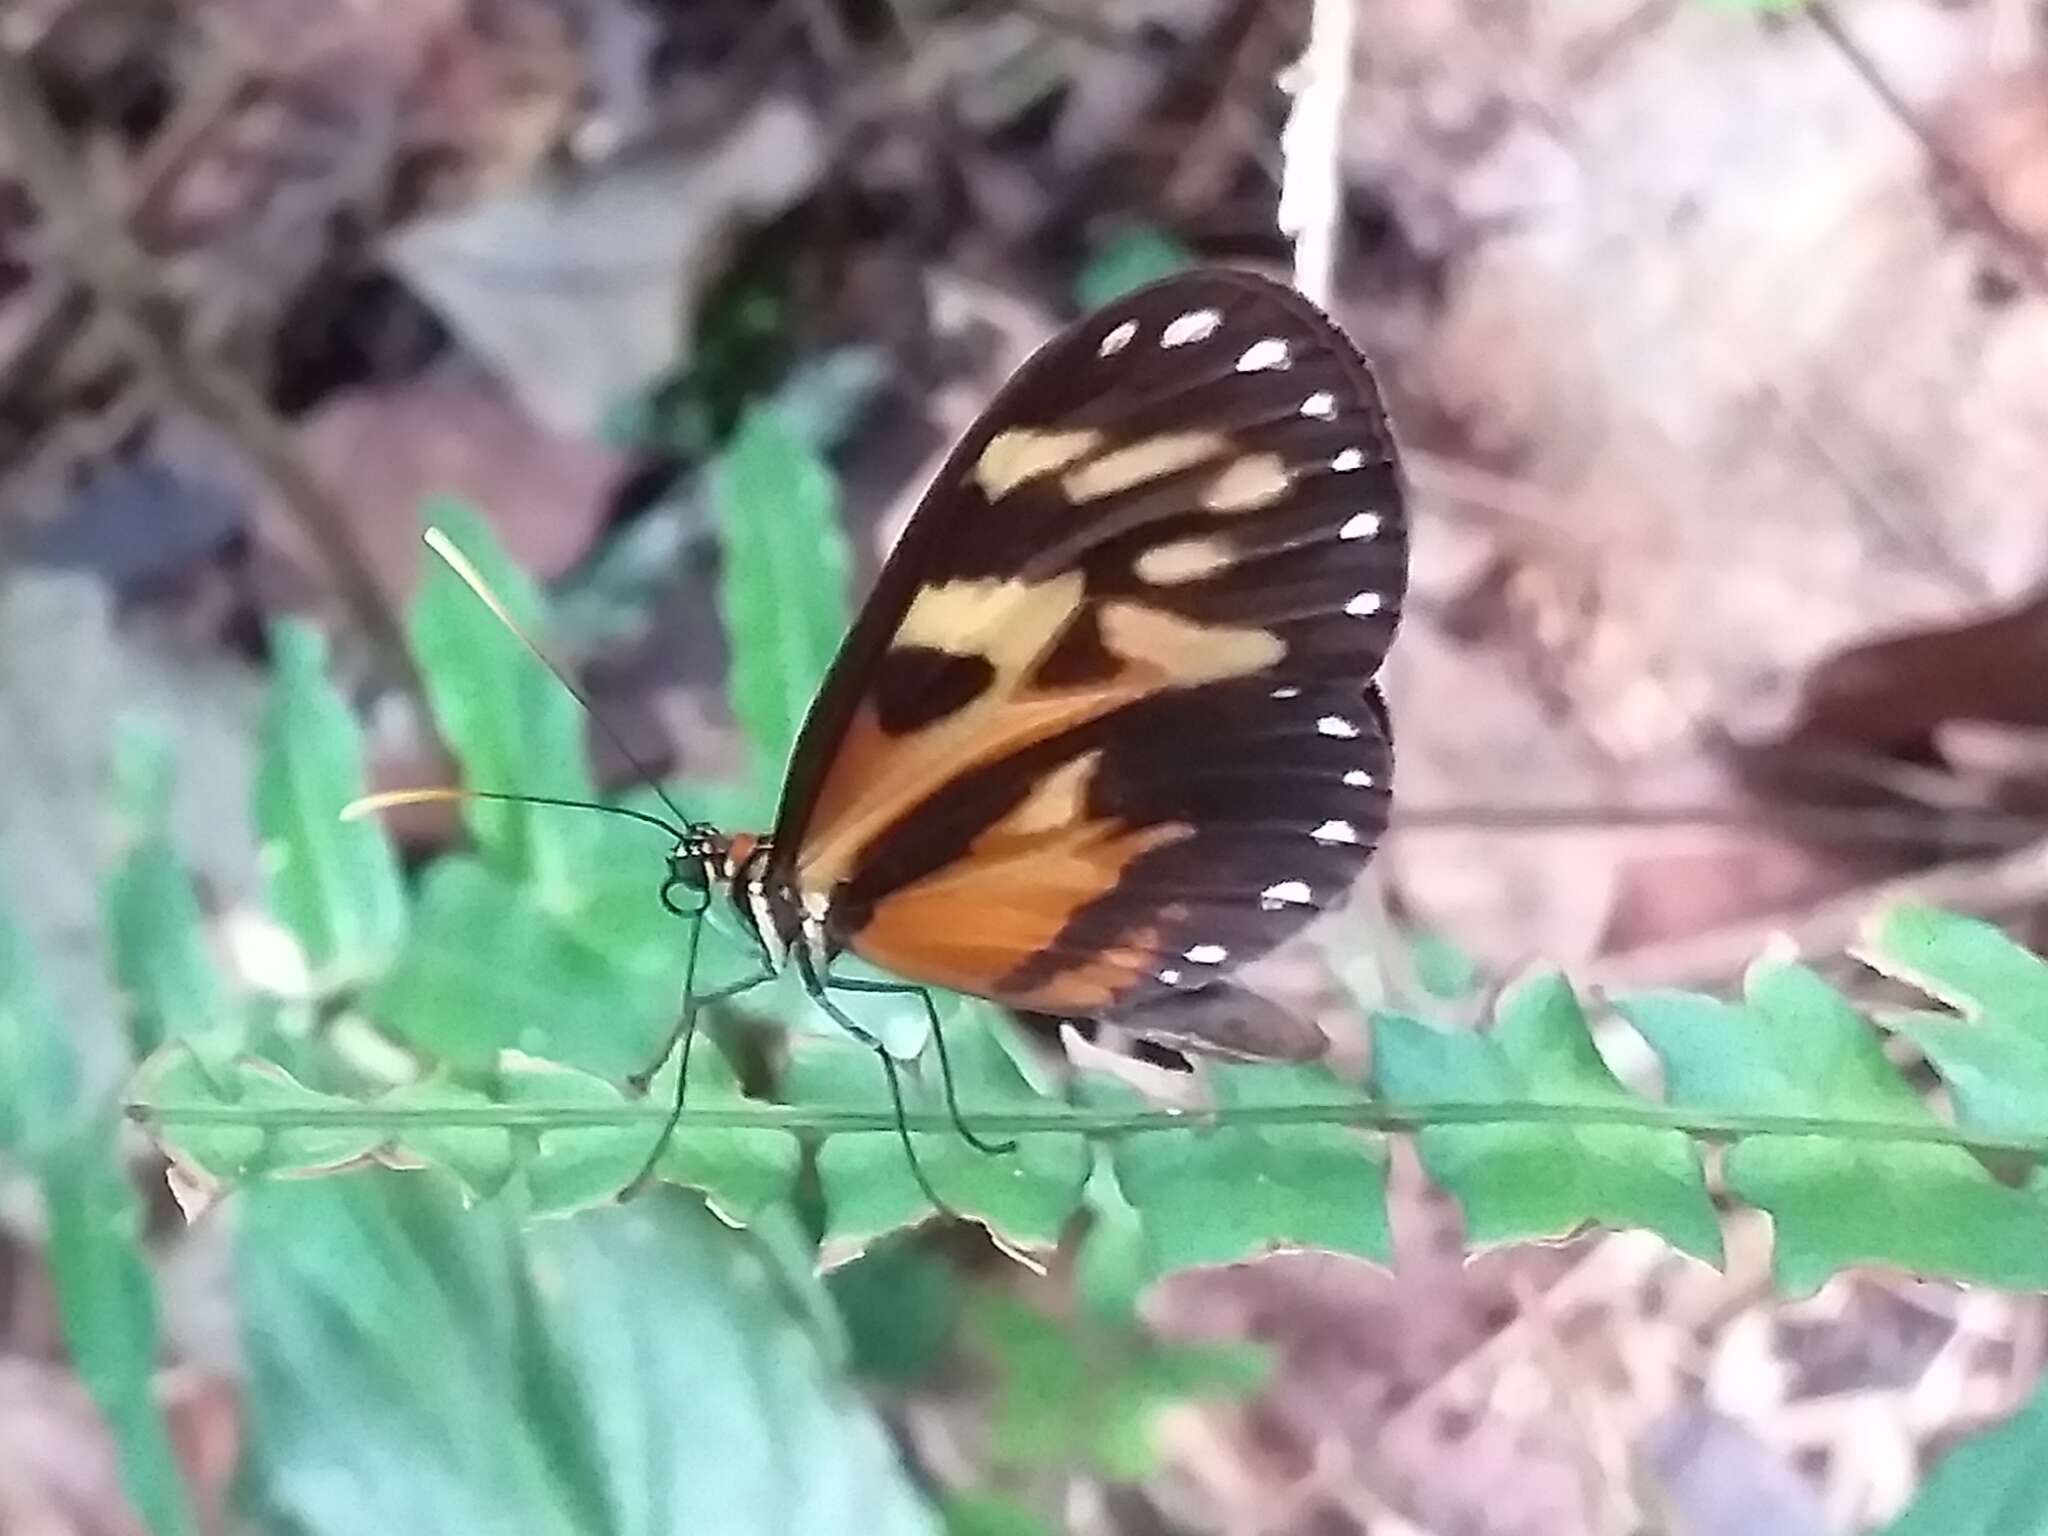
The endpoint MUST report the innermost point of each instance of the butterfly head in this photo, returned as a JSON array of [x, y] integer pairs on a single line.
[[702, 856]]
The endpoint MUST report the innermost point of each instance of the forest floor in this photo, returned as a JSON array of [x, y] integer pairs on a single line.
[[1716, 338]]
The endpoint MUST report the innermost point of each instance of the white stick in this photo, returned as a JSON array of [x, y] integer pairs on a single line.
[[1311, 148]]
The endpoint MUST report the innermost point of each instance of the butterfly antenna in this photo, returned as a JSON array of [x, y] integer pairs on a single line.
[[384, 800], [472, 578]]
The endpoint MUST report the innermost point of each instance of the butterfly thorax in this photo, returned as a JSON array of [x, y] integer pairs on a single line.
[[768, 908]]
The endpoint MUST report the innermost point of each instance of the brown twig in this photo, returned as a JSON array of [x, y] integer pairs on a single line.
[[1828, 823], [1990, 888], [222, 84], [1978, 203], [148, 321], [1075, 22]]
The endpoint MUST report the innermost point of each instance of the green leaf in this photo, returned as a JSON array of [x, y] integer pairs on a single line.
[[901, 1303], [512, 726], [154, 927], [895, 1017], [255, 1119], [1993, 1484], [1525, 1125], [1541, 1180], [489, 969], [333, 883], [160, 959], [106, 1302], [175, 1077], [310, 1146], [1112, 1271], [296, 1134], [741, 1170], [1444, 970], [992, 1514], [1130, 260], [1164, 1376], [608, 599], [1797, 1048], [638, 1371], [1220, 1193], [722, 802], [482, 1157], [1965, 961], [783, 594], [1993, 1051], [39, 1087], [1075, 1395], [1024, 1196], [574, 1167]]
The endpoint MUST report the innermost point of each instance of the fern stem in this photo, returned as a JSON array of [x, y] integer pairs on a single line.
[[822, 1121]]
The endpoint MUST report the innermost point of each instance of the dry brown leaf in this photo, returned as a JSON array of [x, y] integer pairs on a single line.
[[1890, 694], [59, 1472], [1997, 128], [387, 451], [1505, 898]]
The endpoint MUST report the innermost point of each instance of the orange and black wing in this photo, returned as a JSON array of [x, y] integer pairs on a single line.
[[1106, 727]]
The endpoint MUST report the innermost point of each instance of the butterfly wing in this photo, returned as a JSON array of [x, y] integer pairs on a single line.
[[1105, 728]]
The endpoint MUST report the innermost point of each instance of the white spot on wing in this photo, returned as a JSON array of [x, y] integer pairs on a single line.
[[1271, 352], [1285, 693], [1247, 483], [1336, 725], [1286, 893], [1322, 404], [1360, 525], [1358, 778], [1335, 831], [1118, 338], [1348, 460], [1364, 605], [1207, 954], [1170, 976], [1195, 325], [1182, 560]]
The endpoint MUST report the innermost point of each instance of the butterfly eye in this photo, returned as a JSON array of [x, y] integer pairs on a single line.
[[691, 904], [687, 890]]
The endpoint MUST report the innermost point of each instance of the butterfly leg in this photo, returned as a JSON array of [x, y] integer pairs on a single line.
[[931, 1013], [685, 1034], [847, 1022], [687, 1025]]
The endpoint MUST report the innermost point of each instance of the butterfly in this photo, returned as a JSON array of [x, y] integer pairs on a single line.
[[1106, 727]]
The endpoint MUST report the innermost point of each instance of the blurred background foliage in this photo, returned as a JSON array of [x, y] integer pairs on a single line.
[[1716, 335]]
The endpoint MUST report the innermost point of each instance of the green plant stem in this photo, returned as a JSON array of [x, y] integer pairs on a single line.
[[1093, 1122]]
